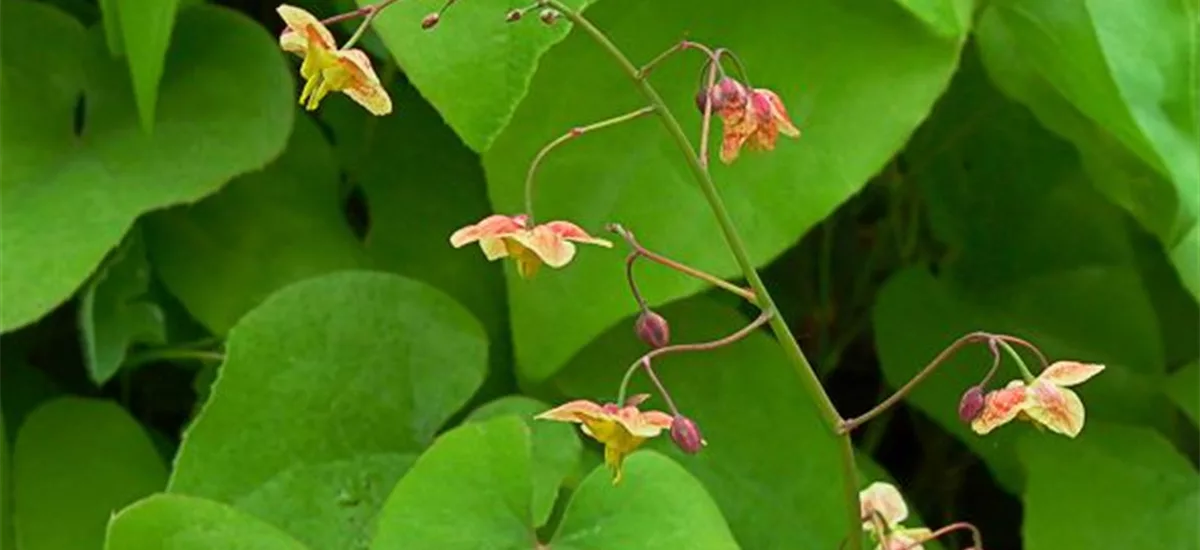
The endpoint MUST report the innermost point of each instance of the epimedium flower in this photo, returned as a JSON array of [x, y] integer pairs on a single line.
[[751, 117], [1045, 401], [551, 243], [329, 69], [621, 429], [882, 509]]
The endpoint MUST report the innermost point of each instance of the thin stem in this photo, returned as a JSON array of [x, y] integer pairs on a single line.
[[808, 377], [633, 288], [706, 121], [678, 47], [169, 354], [572, 134], [1028, 376], [1026, 345], [682, 268], [848, 426], [370, 11], [662, 390], [745, 331], [976, 536]]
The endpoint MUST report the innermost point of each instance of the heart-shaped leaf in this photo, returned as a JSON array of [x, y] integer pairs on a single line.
[[809, 51], [76, 461], [178, 522], [141, 31], [265, 230], [223, 109], [765, 440], [328, 390]]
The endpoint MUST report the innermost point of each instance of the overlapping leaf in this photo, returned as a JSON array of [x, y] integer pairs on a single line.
[[178, 522]]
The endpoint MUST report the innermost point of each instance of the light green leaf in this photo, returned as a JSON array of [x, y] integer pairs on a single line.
[[811, 52], [474, 67], [1182, 388], [140, 31], [327, 388], [1118, 80], [1068, 315], [76, 462], [555, 448], [658, 505], [223, 109], [115, 312], [178, 522], [265, 230], [947, 18], [1116, 487], [765, 440]]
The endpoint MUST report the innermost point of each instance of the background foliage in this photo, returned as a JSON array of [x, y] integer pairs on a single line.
[[228, 323]]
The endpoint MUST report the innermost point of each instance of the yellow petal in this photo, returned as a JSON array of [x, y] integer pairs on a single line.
[[364, 87], [494, 226], [547, 245], [882, 500], [493, 249], [307, 25], [1057, 408], [1069, 373], [1000, 407], [574, 411], [572, 232]]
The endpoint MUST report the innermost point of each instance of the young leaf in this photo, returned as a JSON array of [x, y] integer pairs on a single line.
[[179, 522], [328, 389], [223, 109], [115, 312], [76, 461]]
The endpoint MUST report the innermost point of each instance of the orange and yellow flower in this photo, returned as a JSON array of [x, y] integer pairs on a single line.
[[882, 509], [326, 68], [751, 117], [551, 243], [621, 429], [1045, 401]]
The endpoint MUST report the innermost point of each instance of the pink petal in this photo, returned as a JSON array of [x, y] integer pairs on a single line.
[[307, 25], [572, 232], [1057, 408], [494, 226], [643, 424], [1000, 407], [571, 411], [547, 245], [1069, 373], [778, 113]]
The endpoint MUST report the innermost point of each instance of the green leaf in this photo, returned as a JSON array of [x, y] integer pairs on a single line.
[[472, 485], [1069, 499], [263, 231], [328, 388], [223, 109], [658, 505], [474, 66], [76, 461], [555, 448], [8, 539], [949, 19], [811, 52], [146, 28], [1181, 388], [115, 312], [765, 440], [178, 522], [1068, 315], [1124, 93]]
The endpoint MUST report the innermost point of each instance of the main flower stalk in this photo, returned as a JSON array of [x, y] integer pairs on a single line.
[[808, 376]]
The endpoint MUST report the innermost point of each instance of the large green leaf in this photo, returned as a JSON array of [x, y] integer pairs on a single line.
[[1120, 487], [473, 489], [76, 462], [1181, 387], [765, 440], [178, 522], [1119, 80], [474, 67], [115, 311], [141, 31], [810, 51], [1069, 315], [8, 539], [265, 230], [554, 449], [329, 387], [223, 109]]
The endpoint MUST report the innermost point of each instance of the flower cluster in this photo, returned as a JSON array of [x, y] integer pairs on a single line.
[[329, 69], [882, 511], [1046, 401], [621, 429], [752, 117]]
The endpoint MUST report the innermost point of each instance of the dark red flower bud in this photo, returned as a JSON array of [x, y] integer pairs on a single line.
[[653, 329], [728, 93], [686, 435], [971, 404], [430, 20], [514, 15], [701, 99], [548, 16]]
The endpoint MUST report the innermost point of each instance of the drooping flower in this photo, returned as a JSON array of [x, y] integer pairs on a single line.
[[551, 243], [621, 429], [882, 509], [326, 68], [751, 117], [1046, 401]]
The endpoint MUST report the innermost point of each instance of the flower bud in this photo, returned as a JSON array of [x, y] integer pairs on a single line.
[[971, 404], [548, 16], [430, 20], [728, 93], [653, 329], [701, 100], [514, 15], [686, 435]]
